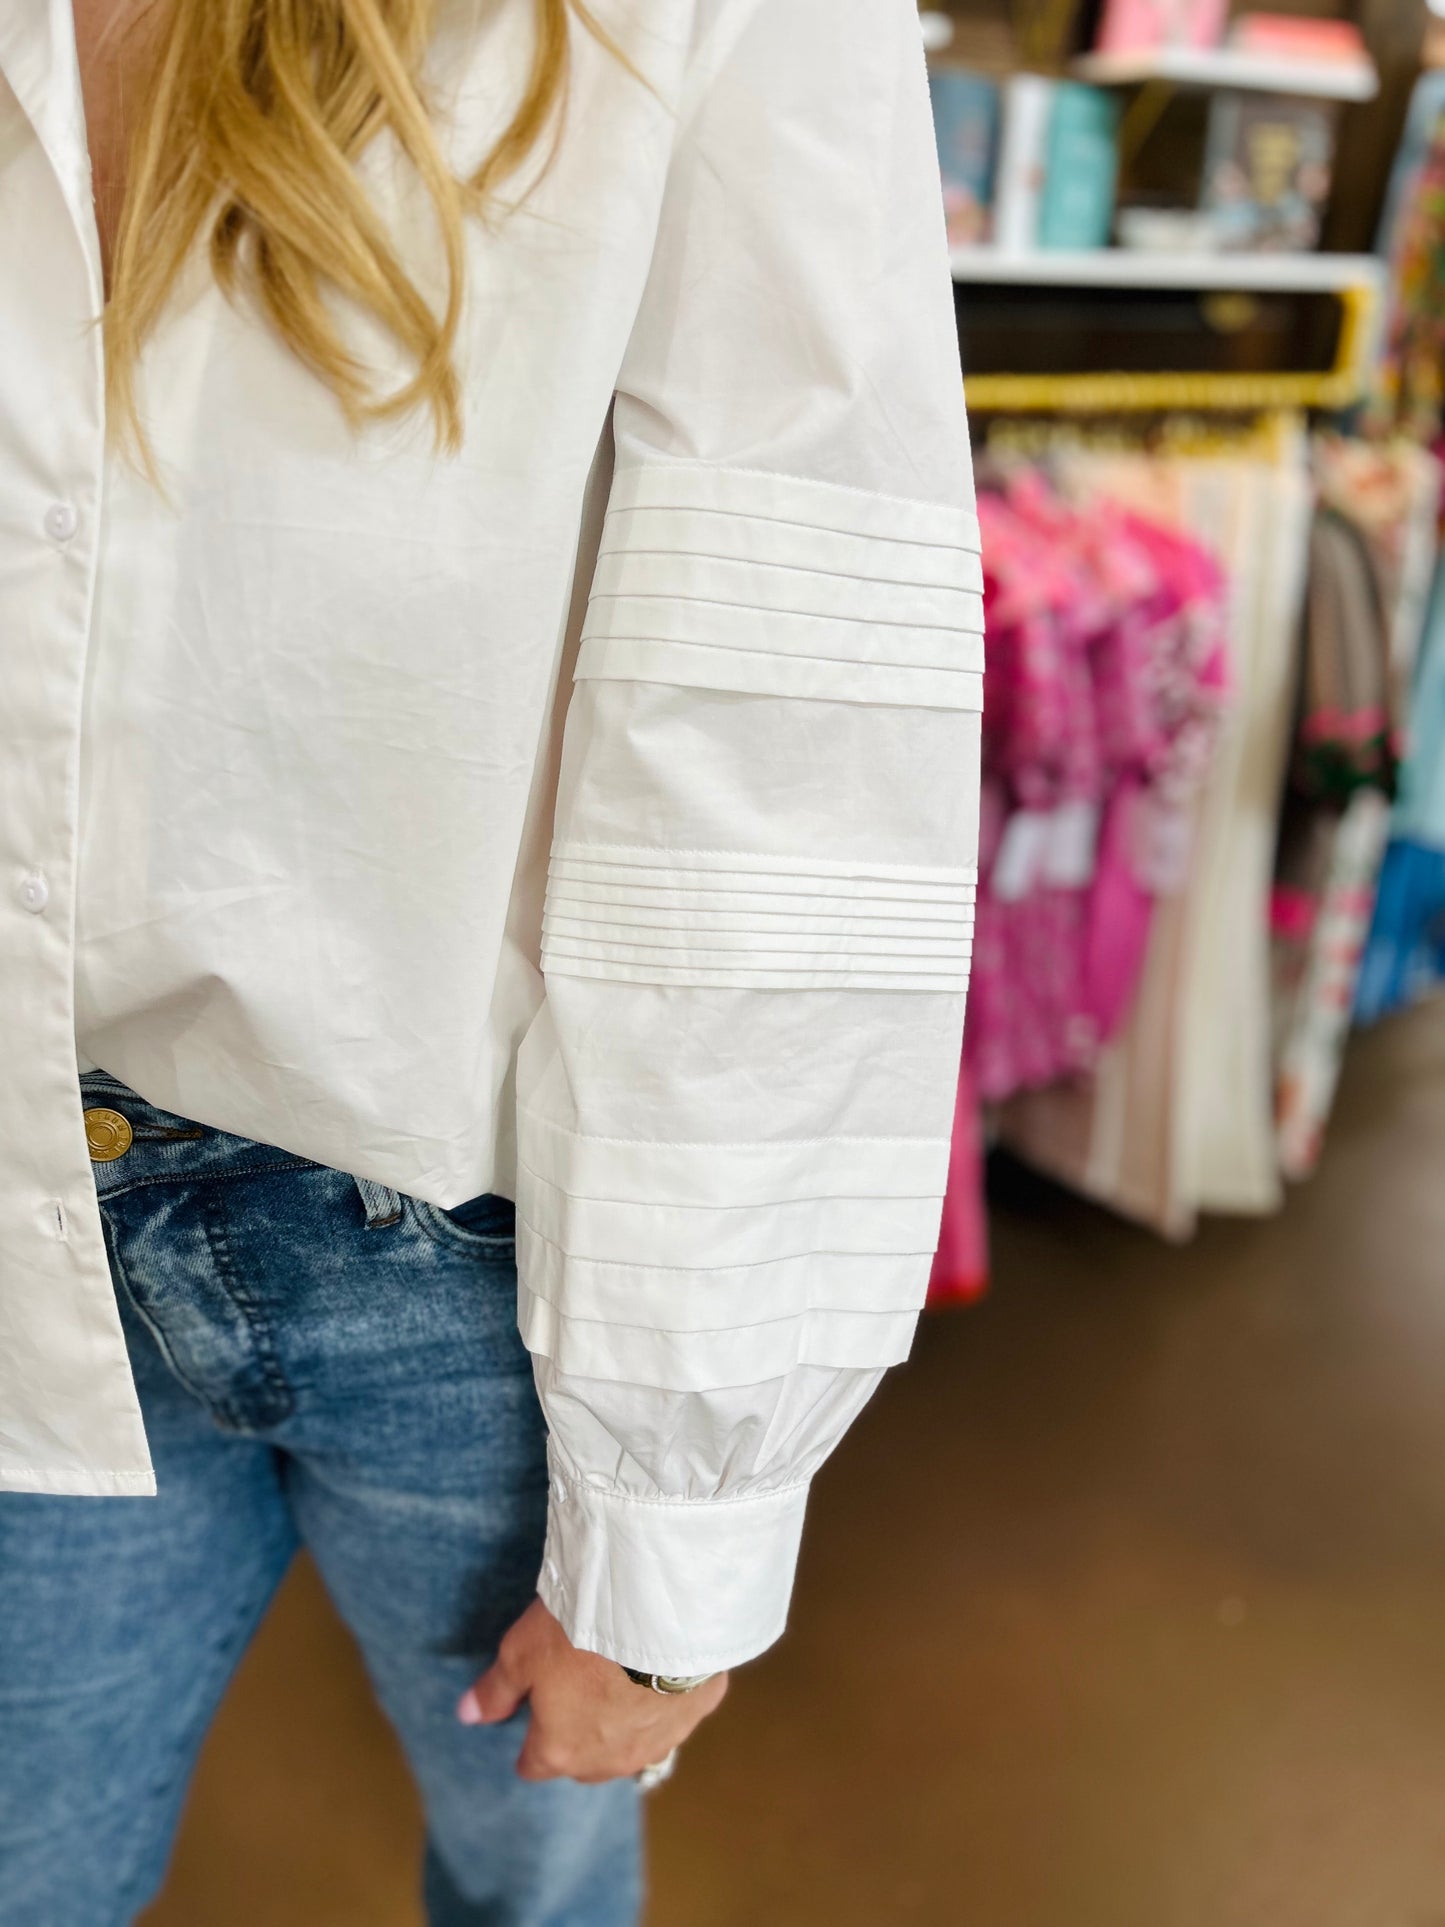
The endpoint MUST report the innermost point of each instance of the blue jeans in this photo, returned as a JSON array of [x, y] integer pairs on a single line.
[[320, 1362]]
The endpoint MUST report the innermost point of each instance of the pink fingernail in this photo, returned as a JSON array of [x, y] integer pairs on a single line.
[[468, 1712]]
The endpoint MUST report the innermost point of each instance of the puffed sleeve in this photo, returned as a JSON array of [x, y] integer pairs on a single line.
[[734, 1107]]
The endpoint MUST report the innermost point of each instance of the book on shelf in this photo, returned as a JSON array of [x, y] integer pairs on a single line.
[[1145, 26], [1267, 169], [1289, 36], [965, 118], [1026, 106], [1081, 168], [1032, 163]]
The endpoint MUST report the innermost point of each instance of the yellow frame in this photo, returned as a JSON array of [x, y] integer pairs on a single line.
[[1331, 388]]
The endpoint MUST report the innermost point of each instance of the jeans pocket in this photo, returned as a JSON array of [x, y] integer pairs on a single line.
[[485, 1225]]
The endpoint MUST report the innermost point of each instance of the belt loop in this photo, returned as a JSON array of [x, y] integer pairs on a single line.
[[383, 1205]]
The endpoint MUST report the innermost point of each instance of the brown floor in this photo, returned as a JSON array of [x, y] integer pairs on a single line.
[[1124, 1606]]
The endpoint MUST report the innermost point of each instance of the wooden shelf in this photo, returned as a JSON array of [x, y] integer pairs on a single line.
[[1224, 67], [1139, 268]]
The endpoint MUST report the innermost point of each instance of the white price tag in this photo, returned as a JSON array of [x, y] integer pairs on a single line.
[[1164, 841], [1073, 848], [1022, 850]]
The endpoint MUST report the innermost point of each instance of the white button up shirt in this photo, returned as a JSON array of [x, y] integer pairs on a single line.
[[294, 841]]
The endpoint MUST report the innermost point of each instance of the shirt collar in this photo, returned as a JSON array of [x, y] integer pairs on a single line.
[[38, 59]]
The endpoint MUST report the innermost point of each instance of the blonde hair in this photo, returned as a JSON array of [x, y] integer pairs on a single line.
[[248, 136]]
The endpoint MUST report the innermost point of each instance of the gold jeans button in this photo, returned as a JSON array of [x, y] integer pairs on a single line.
[[107, 1133]]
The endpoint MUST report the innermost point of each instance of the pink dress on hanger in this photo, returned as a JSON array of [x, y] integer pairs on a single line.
[[1105, 672]]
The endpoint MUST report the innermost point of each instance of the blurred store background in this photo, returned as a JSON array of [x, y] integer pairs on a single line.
[[1124, 1606]]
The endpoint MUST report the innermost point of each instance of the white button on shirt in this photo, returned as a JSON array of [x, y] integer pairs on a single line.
[[685, 979]]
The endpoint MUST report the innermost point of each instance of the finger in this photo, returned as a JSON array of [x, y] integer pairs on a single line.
[[495, 1696], [533, 1762]]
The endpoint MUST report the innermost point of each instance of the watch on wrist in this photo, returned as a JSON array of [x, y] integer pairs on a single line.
[[667, 1682]]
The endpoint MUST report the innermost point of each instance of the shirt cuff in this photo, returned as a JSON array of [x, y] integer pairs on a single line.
[[670, 1585]]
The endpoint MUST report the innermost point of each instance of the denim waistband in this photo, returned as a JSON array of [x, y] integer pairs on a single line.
[[160, 1146]]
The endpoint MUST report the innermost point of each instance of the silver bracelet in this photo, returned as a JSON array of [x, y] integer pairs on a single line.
[[670, 1683]]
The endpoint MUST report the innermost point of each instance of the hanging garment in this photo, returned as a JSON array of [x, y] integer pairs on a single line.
[[960, 1266], [1390, 493], [1420, 808], [1178, 1115], [1106, 670], [1345, 740], [1405, 955], [1319, 963], [1372, 530]]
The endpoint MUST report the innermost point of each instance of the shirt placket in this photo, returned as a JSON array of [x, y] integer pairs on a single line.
[[69, 1418]]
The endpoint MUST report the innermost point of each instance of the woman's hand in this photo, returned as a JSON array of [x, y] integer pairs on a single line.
[[590, 1722]]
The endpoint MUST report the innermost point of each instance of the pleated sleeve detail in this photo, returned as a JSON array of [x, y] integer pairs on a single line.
[[734, 1106], [774, 585]]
